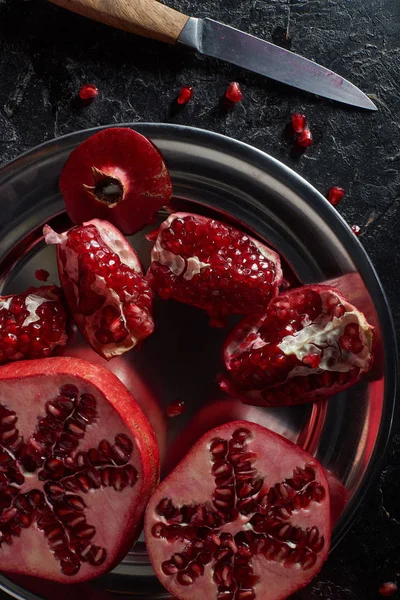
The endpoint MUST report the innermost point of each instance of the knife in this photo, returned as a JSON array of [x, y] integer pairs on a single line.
[[151, 19]]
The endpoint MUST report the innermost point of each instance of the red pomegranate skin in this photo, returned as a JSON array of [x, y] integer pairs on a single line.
[[79, 461], [135, 167], [310, 343], [246, 514], [214, 266]]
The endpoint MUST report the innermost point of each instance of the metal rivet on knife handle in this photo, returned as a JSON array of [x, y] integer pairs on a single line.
[[147, 18]]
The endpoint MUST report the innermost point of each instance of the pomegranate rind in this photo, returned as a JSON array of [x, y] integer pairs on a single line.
[[126, 155], [119, 528], [68, 262], [45, 296], [182, 273], [285, 392], [191, 483]]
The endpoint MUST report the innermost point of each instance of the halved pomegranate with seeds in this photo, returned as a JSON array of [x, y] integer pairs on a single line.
[[244, 516], [117, 175], [213, 266], [32, 324], [102, 280], [78, 462], [310, 342]]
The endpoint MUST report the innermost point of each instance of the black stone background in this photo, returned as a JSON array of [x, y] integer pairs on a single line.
[[47, 53]]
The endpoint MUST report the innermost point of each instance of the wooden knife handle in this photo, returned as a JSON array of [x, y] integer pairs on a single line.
[[147, 18]]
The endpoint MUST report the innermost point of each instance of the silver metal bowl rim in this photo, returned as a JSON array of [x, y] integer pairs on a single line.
[[336, 223]]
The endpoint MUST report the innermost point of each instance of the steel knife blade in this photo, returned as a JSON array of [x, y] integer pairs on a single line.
[[227, 43]]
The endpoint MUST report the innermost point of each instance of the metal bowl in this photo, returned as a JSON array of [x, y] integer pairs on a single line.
[[216, 175]]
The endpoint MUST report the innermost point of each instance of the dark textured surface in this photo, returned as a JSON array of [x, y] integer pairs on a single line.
[[46, 54]]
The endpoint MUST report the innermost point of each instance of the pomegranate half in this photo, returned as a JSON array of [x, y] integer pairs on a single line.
[[103, 283], [32, 324], [213, 266], [309, 343], [244, 516], [117, 175], [78, 463]]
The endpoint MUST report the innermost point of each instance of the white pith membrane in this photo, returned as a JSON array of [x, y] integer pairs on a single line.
[[91, 323], [319, 337], [107, 509], [192, 483], [192, 266]]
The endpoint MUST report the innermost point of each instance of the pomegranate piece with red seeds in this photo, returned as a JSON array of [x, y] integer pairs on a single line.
[[234, 93], [335, 195], [305, 139], [310, 343], [102, 280], [356, 229], [32, 324], [298, 122], [185, 94], [213, 266], [78, 462], [88, 92], [244, 516], [117, 175]]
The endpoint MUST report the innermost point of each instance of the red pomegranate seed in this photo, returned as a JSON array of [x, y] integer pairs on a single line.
[[175, 409], [305, 138], [356, 229], [42, 274], [388, 589], [234, 93], [298, 122], [185, 94], [88, 92], [335, 195]]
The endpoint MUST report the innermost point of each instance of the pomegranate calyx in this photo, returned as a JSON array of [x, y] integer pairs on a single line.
[[106, 189]]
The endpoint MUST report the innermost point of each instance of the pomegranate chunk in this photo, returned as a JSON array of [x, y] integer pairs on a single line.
[[74, 444], [117, 175], [356, 229], [298, 122], [388, 589], [254, 523], [185, 94], [103, 283], [88, 92], [42, 274], [234, 92], [32, 325], [213, 266], [335, 195], [305, 138], [311, 342]]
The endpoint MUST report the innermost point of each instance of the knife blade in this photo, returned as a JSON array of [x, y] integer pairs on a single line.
[[227, 43], [152, 19]]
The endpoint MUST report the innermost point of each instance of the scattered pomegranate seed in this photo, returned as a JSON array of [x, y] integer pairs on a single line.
[[42, 274], [388, 589], [305, 138], [176, 408], [185, 94], [356, 229], [298, 122], [335, 195], [234, 93], [88, 92]]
